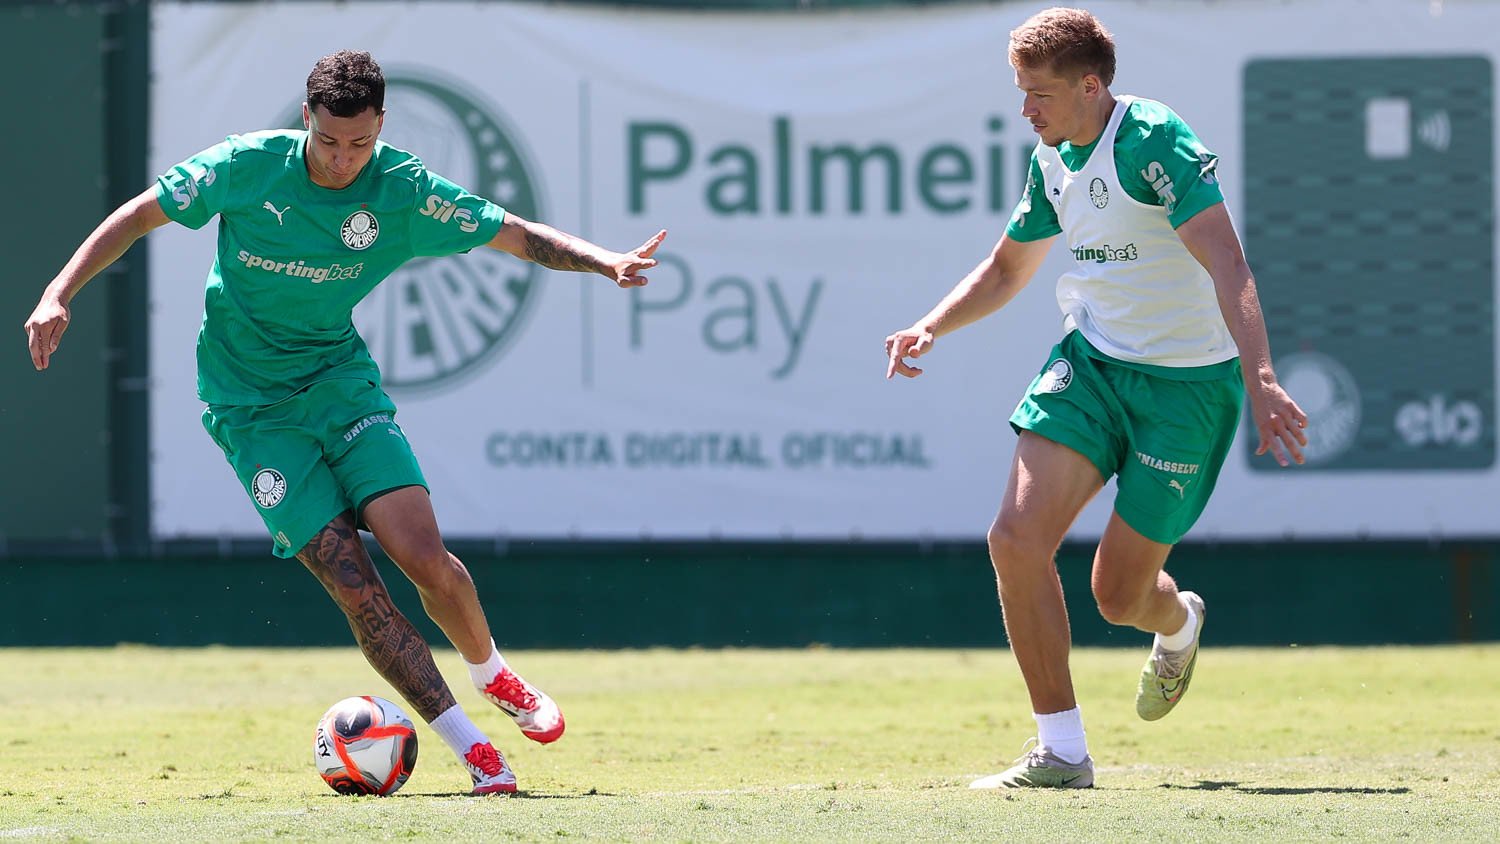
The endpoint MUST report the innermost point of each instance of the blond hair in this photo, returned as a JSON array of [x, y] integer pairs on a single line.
[[1071, 41]]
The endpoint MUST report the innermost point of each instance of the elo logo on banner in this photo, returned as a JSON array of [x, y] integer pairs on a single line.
[[436, 321]]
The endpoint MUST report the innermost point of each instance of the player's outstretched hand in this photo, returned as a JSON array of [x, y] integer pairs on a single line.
[[44, 330], [1280, 423], [627, 271], [908, 343]]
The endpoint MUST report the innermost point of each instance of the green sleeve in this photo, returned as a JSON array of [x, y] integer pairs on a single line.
[[449, 219], [1034, 217], [1161, 162], [192, 192]]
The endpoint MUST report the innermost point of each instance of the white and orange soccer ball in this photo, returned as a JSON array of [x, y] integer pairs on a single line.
[[365, 745]]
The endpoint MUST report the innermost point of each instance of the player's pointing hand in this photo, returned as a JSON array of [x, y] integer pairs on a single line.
[[628, 269], [44, 330], [911, 342]]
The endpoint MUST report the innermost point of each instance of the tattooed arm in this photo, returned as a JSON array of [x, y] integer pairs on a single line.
[[394, 648], [544, 245]]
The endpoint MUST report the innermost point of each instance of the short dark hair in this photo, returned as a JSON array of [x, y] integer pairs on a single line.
[[346, 83], [1070, 41]]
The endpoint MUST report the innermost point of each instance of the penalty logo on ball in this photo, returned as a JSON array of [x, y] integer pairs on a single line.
[[269, 487], [365, 745]]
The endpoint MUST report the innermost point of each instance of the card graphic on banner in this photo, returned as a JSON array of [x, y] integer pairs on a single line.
[[1370, 225]]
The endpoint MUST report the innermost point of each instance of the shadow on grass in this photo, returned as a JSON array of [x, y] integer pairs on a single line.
[[1211, 785], [519, 795]]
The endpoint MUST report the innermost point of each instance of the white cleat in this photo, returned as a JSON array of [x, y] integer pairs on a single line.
[[488, 769], [1041, 768], [533, 711]]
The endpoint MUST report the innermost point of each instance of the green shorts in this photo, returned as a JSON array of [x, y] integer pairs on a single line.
[[1164, 437], [331, 447]]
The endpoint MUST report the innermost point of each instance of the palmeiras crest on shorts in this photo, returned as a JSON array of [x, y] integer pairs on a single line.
[[359, 230], [1056, 378], [269, 487], [1098, 193], [435, 322]]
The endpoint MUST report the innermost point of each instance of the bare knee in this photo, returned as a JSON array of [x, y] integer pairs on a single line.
[[1118, 604], [1014, 553], [436, 572]]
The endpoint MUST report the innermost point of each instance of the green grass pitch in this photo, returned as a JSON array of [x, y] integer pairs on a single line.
[[816, 745]]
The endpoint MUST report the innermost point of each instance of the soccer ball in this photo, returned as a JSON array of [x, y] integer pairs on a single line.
[[365, 745]]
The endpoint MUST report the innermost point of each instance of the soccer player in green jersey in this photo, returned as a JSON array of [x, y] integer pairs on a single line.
[[310, 221], [1163, 339]]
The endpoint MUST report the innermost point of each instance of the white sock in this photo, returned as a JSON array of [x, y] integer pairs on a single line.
[[457, 730], [1062, 733], [483, 673], [1184, 637]]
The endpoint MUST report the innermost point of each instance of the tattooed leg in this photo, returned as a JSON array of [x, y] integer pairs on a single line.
[[338, 558]]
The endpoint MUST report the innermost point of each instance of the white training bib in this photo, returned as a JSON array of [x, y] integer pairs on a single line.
[[1135, 292]]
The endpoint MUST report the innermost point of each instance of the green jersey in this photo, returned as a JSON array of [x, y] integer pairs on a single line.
[[295, 258], [1150, 133]]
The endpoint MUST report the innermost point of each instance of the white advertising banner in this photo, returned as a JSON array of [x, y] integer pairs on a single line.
[[825, 177]]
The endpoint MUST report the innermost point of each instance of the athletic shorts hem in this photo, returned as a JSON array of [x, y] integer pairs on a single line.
[[359, 511], [303, 535], [1145, 524], [1065, 436]]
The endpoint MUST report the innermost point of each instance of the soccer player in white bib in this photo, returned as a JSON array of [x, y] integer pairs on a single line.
[[1163, 339], [310, 221]]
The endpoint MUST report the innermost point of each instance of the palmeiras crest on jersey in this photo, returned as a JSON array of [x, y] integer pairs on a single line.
[[1099, 193], [360, 230], [438, 321]]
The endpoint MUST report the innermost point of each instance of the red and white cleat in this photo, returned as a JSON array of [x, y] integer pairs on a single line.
[[538, 717], [487, 767]]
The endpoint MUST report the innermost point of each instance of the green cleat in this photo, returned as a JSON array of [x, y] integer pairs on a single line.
[[1165, 678], [1039, 768]]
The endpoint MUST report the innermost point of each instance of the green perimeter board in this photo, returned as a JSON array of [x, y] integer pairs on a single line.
[[765, 595], [54, 424], [1369, 222]]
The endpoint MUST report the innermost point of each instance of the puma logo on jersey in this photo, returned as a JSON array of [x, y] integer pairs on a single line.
[[1179, 486], [1156, 176], [269, 207]]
